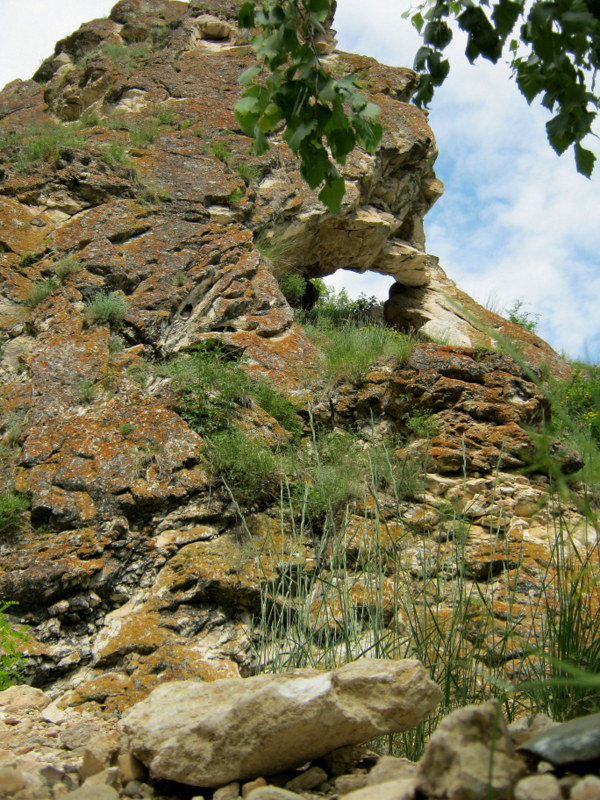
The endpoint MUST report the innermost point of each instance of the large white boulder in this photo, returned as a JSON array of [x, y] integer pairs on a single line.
[[209, 734]]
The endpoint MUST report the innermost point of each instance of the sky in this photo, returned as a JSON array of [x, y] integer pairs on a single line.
[[515, 223]]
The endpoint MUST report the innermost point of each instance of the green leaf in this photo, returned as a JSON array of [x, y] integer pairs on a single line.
[[315, 163], [367, 133], [341, 141], [332, 194], [370, 111], [297, 132], [249, 74], [271, 117], [584, 160], [246, 15], [247, 111], [261, 145]]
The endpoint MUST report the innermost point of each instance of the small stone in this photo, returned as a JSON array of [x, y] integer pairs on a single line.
[[130, 767], [403, 789], [100, 754], [147, 790], [343, 759], [108, 777], [307, 780], [389, 768], [538, 787], [273, 793], [526, 727], [229, 792], [248, 787], [11, 781], [18, 698], [350, 783], [132, 788], [588, 788], [91, 792], [54, 714], [568, 743], [457, 759]]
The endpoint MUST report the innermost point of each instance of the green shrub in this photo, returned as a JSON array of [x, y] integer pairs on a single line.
[[86, 391], [210, 385], [40, 291], [65, 267], [248, 468], [27, 259], [248, 173], [116, 344], [126, 429], [11, 659], [221, 151], [421, 423], [108, 307], [293, 287], [126, 54], [338, 310], [517, 315], [164, 115], [159, 36], [37, 143], [576, 402], [277, 405], [350, 351], [115, 155], [12, 507], [235, 198]]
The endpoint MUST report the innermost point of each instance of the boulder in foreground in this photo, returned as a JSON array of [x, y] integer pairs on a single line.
[[237, 729]]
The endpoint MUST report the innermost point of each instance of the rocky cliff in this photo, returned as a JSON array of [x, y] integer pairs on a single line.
[[133, 223]]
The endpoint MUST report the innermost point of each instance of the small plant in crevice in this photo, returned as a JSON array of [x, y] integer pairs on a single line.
[[12, 659], [235, 198], [116, 344], [210, 385], [107, 307], [65, 267], [221, 152], [115, 155], [293, 287], [247, 467], [126, 428], [350, 350], [12, 507], [38, 142], [248, 173], [277, 405], [27, 259], [40, 291], [86, 391], [526, 319], [422, 423]]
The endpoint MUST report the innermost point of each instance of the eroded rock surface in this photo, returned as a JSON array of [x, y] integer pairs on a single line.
[[134, 565], [209, 735]]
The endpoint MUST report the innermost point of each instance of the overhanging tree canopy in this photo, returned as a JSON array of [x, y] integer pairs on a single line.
[[553, 48]]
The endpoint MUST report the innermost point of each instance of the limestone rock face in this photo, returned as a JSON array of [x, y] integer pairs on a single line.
[[209, 735], [133, 565]]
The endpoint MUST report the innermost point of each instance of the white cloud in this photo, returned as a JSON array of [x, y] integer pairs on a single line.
[[31, 28], [515, 221]]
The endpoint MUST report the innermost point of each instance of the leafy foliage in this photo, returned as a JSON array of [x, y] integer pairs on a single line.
[[323, 114], [554, 49]]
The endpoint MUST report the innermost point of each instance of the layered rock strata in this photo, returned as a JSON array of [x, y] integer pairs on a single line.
[[134, 567]]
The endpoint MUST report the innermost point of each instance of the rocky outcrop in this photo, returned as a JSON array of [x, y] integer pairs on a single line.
[[210, 735], [47, 752], [124, 177]]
